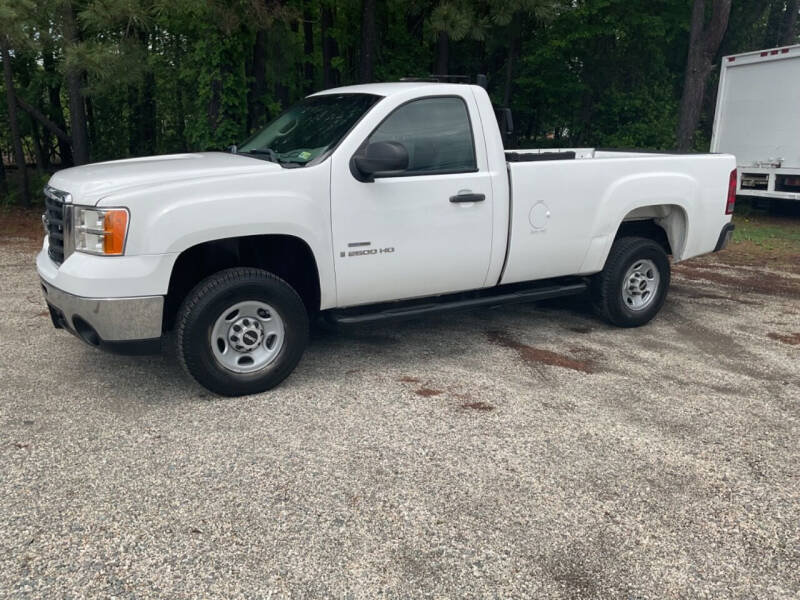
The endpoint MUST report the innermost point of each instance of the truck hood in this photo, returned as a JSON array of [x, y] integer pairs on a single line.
[[89, 184]]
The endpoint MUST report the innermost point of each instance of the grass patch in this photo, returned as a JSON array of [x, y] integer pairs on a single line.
[[763, 240], [770, 233]]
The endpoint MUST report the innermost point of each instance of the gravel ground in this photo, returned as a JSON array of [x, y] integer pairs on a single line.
[[530, 451]]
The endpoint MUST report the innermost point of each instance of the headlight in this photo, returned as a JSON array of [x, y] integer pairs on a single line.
[[100, 230]]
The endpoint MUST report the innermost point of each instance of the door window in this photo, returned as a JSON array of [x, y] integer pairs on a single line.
[[436, 132]]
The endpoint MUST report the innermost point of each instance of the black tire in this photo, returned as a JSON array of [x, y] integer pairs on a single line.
[[206, 302], [608, 299]]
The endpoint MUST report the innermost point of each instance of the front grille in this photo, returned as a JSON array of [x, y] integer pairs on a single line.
[[54, 224]]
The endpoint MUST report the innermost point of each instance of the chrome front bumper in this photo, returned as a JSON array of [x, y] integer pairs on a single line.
[[98, 320]]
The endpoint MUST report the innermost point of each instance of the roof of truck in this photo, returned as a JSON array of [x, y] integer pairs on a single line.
[[387, 89], [769, 53]]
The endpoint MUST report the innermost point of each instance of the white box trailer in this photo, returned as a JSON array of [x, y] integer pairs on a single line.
[[758, 120]]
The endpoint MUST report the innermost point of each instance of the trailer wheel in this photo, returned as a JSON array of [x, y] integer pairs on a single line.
[[632, 287], [241, 331]]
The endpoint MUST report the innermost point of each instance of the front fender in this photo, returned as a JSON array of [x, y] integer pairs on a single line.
[[173, 217]]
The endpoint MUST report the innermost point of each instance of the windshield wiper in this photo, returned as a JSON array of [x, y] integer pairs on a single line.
[[272, 156], [268, 152]]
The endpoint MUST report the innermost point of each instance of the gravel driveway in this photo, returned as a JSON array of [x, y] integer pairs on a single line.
[[530, 451]]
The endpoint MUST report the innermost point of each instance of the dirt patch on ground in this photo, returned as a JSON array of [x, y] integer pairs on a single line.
[[20, 226], [408, 379], [480, 406], [693, 294], [749, 254], [793, 339], [537, 356], [770, 284], [427, 392], [579, 329]]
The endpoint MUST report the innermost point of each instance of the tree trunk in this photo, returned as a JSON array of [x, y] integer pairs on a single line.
[[180, 125], [55, 110], [3, 183], [330, 76], [19, 154], [221, 109], [38, 150], [214, 109], [509, 76], [367, 67], [132, 119], [442, 53], [91, 123], [415, 25], [149, 123], [77, 109], [255, 101], [772, 30], [308, 48], [141, 99], [180, 118], [513, 48], [788, 34], [704, 41], [280, 89]]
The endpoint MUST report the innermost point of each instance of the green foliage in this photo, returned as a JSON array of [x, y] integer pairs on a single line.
[[13, 194], [453, 18], [176, 75]]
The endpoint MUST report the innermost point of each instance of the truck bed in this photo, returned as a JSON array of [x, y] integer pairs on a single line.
[[565, 212]]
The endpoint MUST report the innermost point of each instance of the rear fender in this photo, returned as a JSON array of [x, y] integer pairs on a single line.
[[668, 198]]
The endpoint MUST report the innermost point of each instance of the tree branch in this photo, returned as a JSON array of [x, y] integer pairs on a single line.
[[46, 123]]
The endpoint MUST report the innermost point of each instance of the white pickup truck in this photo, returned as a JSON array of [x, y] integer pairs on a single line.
[[362, 203]]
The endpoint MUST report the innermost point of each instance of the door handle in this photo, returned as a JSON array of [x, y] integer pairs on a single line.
[[468, 197]]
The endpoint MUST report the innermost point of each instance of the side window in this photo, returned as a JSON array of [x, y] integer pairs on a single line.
[[436, 132]]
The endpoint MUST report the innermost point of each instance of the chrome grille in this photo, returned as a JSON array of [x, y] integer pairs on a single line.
[[56, 219], [54, 225]]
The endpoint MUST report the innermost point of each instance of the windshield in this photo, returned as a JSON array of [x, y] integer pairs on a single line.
[[308, 129]]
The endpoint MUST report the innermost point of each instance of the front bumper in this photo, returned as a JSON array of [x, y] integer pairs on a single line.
[[127, 325]]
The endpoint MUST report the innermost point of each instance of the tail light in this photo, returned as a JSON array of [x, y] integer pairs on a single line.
[[731, 193]]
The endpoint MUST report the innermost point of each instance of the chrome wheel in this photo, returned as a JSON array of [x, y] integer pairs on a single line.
[[247, 336], [640, 284]]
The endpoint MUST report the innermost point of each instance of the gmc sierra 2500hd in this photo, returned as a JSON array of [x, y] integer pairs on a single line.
[[363, 203]]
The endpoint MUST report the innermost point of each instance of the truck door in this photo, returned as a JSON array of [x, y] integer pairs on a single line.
[[423, 231]]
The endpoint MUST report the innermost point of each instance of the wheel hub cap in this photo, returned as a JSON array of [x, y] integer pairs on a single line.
[[640, 284], [247, 336]]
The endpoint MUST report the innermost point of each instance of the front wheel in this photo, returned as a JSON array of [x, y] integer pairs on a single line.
[[241, 331], [632, 287]]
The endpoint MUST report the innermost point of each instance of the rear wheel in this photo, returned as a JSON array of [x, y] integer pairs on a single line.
[[241, 331], [632, 287]]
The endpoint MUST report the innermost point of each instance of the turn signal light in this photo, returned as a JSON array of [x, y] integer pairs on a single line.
[[115, 224]]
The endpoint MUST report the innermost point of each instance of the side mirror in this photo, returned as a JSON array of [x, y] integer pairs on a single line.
[[379, 159]]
